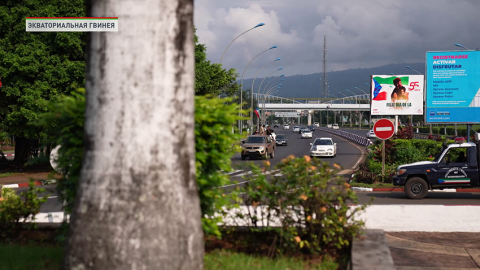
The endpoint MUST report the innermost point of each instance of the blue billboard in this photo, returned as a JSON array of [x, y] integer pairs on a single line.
[[453, 87]]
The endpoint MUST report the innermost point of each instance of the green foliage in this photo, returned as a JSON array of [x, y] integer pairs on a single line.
[[308, 216], [238, 261], [37, 66], [214, 145], [212, 79], [15, 209], [39, 257], [408, 154], [64, 125]]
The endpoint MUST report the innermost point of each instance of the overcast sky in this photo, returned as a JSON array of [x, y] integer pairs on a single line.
[[360, 34]]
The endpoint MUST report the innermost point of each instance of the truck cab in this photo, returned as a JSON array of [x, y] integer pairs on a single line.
[[456, 166]]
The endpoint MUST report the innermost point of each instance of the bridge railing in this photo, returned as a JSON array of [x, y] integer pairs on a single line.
[[361, 140]]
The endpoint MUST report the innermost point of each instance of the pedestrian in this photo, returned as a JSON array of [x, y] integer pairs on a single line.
[[262, 129]]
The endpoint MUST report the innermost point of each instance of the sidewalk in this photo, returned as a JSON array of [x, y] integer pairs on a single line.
[[434, 250]]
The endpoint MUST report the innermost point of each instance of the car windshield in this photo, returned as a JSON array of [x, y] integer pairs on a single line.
[[306, 131], [296, 127], [281, 136], [323, 142], [255, 139]]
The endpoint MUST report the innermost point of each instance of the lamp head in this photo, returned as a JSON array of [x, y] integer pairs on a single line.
[[278, 59], [280, 69], [282, 75], [273, 47], [258, 25]]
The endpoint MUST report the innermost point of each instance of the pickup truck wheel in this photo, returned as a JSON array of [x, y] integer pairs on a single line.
[[416, 188], [272, 154]]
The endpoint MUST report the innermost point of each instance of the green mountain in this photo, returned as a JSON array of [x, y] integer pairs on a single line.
[[311, 85]]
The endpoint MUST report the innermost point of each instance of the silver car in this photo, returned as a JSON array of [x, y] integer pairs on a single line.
[[371, 134]]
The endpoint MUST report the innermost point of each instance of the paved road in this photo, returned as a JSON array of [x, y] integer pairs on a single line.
[[348, 153]]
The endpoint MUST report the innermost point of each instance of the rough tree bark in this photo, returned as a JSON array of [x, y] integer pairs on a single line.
[[137, 205]]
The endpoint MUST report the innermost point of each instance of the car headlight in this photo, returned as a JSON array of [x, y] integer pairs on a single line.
[[329, 150], [401, 171], [261, 148]]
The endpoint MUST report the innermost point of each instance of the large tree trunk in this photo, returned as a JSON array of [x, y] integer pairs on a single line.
[[22, 151], [137, 205]]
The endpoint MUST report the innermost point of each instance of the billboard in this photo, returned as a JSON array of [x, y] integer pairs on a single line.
[[453, 87], [287, 114], [396, 95]]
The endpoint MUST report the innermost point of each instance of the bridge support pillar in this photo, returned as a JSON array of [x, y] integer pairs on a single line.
[[309, 118]]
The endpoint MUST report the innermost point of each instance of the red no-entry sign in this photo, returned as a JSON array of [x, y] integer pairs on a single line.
[[383, 129]]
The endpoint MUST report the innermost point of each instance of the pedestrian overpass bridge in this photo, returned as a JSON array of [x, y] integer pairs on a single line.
[[316, 107], [351, 103]]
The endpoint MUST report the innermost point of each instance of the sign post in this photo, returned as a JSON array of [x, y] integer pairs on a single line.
[[384, 130]]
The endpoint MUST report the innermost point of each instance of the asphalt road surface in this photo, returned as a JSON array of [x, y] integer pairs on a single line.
[[348, 152]]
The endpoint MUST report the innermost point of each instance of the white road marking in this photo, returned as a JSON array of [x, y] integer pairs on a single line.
[[383, 129]]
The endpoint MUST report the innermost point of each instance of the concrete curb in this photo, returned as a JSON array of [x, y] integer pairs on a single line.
[[365, 189], [37, 183]]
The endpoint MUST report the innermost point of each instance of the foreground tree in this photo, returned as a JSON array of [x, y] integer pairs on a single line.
[[211, 78], [137, 205], [36, 66]]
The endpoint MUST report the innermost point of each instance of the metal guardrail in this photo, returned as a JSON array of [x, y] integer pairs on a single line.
[[353, 137]]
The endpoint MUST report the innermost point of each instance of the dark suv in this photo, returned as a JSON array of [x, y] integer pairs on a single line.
[[281, 139]]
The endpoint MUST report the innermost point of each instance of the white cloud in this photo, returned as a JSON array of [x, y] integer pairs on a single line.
[[359, 34]]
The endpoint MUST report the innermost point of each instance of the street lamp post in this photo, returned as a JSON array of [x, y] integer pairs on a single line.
[[258, 25], [461, 46], [251, 99], [370, 120], [241, 83], [260, 88], [414, 70]]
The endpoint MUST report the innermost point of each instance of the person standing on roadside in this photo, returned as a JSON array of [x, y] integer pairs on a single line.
[[262, 129]]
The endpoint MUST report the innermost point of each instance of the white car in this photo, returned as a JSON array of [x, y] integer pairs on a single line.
[[335, 126], [296, 129], [323, 147], [329, 126], [316, 124], [286, 127], [371, 134], [306, 134]]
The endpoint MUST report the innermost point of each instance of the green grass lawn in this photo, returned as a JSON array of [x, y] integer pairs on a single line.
[[47, 257], [30, 257]]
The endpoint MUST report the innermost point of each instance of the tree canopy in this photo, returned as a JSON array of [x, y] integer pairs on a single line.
[[36, 66], [212, 78]]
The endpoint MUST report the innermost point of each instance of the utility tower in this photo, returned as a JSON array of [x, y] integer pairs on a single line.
[[325, 83]]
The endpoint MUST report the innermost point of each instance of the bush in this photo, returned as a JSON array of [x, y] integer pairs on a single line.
[[408, 154], [214, 145], [64, 125], [311, 217], [15, 209]]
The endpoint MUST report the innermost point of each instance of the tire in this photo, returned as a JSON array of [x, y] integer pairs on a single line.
[[416, 188], [243, 157], [272, 154]]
